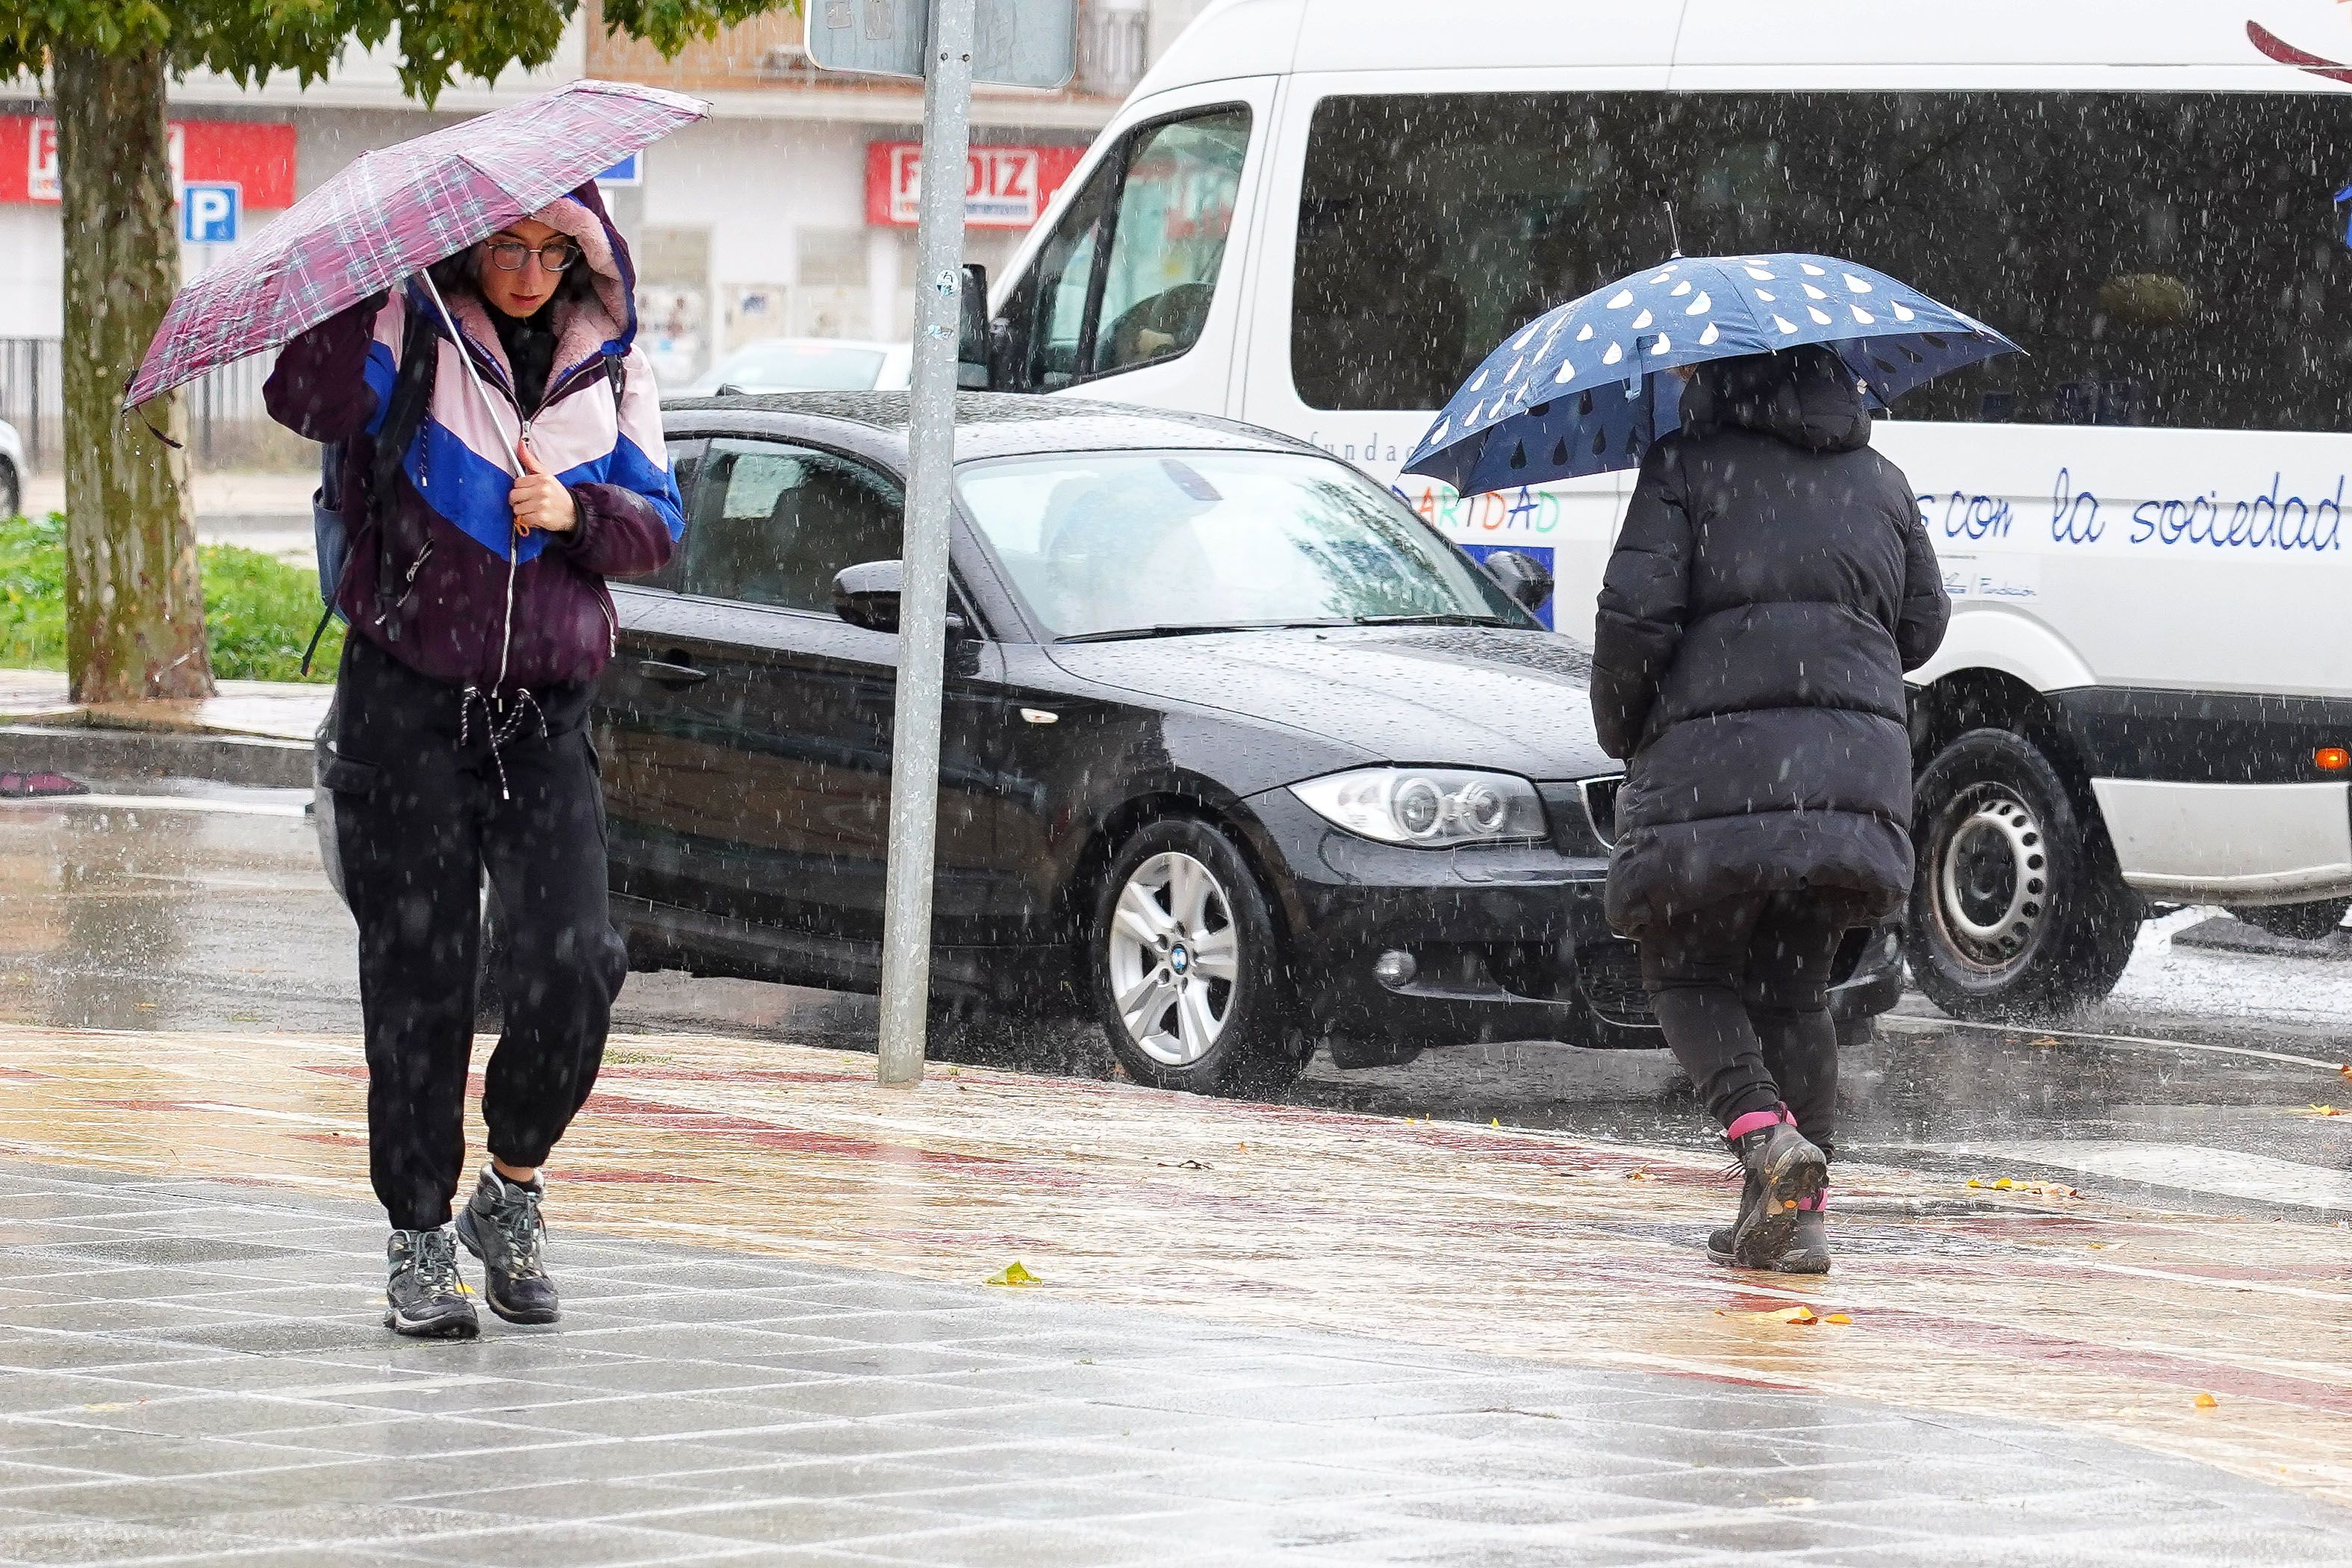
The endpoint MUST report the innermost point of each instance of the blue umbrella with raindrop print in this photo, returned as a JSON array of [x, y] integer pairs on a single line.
[[1582, 388]]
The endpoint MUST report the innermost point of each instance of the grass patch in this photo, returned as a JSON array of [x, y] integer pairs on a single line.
[[258, 611]]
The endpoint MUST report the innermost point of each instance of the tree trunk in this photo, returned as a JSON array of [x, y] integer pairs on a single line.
[[134, 604]]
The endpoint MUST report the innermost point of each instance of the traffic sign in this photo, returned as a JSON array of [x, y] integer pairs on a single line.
[[1016, 43], [211, 213], [629, 171]]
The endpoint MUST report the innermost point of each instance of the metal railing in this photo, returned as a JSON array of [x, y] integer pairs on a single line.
[[227, 425]]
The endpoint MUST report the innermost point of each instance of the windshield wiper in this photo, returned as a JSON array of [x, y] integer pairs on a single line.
[[1193, 628], [1448, 619]]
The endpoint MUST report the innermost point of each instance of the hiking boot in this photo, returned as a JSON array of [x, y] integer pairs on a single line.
[[500, 1225], [1787, 1174], [1807, 1252], [424, 1295]]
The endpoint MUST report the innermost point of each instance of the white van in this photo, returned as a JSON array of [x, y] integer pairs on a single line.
[[1319, 215]]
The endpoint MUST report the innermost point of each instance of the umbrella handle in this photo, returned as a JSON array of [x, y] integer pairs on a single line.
[[490, 403]]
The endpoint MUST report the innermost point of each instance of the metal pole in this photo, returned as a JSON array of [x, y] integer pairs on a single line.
[[923, 596]]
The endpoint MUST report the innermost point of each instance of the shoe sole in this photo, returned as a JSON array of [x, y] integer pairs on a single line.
[[448, 1326], [527, 1316], [1765, 1241]]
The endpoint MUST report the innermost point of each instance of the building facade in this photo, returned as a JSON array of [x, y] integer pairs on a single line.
[[788, 212]]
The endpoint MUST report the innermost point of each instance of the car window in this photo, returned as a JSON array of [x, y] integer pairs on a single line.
[[684, 467], [1168, 244], [1102, 542], [773, 523]]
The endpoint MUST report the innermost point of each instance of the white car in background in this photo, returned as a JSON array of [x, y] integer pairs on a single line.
[[12, 470], [806, 365]]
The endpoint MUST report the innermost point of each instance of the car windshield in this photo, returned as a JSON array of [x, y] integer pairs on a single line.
[[800, 367], [1105, 545]]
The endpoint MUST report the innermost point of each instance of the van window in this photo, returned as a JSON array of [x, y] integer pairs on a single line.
[[1128, 275], [2166, 258]]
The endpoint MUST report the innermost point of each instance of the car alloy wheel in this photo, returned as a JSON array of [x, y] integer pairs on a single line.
[[1186, 964], [1174, 958]]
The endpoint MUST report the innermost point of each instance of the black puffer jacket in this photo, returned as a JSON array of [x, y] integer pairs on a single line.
[[1772, 583]]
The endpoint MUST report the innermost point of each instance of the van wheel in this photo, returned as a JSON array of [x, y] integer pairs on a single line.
[[12, 490], [2017, 906], [2304, 923], [1187, 967]]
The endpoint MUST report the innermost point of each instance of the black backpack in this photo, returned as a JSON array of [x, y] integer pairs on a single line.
[[412, 396]]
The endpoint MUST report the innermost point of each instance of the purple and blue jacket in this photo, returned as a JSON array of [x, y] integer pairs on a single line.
[[453, 621]]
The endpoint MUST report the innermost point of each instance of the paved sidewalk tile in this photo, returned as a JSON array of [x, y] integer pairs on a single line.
[[164, 1406]]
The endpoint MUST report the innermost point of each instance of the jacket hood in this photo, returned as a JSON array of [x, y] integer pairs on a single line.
[[602, 321], [1805, 396]]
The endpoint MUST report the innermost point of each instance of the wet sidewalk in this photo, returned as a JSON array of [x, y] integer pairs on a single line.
[[251, 733], [1531, 1349], [198, 1376]]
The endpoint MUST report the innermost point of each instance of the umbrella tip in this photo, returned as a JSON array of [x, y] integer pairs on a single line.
[[1673, 234]]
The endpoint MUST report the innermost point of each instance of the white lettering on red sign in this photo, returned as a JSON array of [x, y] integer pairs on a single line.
[[1001, 186], [41, 160]]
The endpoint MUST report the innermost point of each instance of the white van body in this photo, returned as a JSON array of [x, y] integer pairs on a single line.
[[2143, 579]]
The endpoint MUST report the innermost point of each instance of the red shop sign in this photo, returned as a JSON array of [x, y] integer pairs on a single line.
[[1004, 187], [257, 156]]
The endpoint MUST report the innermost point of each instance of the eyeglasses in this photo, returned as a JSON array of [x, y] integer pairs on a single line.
[[508, 255]]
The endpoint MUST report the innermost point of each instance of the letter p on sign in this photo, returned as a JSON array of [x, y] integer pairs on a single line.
[[209, 214]]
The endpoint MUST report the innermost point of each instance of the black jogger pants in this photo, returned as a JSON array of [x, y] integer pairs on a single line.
[[1740, 989], [424, 807]]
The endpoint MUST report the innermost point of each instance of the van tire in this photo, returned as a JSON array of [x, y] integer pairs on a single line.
[[2016, 905]]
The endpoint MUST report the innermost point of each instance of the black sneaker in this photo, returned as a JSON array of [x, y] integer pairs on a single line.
[[424, 1295], [500, 1225]]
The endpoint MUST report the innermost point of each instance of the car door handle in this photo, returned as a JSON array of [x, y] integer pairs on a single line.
[[668, 674]]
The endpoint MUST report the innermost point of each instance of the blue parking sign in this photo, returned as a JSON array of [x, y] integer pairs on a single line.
[[209, 214]]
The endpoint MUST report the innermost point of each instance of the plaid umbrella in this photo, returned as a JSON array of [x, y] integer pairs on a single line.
[[393, 212]]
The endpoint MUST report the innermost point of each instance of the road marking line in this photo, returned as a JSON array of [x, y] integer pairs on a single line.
[[163, 803], [1912, 1023]]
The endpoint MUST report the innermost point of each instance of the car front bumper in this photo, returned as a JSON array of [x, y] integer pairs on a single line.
[[1507, 943]]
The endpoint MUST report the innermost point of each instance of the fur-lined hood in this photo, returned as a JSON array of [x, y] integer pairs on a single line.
[[601, 323]]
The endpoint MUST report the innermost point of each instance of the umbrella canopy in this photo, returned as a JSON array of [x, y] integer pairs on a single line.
[[395, 211], [1580, 390]]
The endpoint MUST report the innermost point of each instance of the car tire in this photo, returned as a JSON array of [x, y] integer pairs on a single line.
[[2304, 922], [2017, 906], [1217, 1022], [12, 490]]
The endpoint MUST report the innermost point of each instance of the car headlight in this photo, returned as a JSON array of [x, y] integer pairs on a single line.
[[1428, 809]]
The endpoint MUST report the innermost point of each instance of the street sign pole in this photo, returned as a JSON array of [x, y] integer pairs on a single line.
[[923, 594]]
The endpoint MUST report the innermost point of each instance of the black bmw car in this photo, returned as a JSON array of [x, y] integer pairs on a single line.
[[1240, 756]]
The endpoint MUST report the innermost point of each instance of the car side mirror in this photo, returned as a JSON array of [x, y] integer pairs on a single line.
[[1525, 579], [972, 333], [866, 595]]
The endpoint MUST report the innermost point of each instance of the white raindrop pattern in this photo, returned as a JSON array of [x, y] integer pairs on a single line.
[[1848, 307]]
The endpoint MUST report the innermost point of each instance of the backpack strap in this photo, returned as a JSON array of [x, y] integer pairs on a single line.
[[398, 556]]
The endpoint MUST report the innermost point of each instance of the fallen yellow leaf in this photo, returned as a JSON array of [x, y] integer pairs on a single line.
[[1640, 1174], [1837, 1317], [1011, 1274], [2005, 1185], [2207, 1402], [2044, 1041], [2316, 1110]]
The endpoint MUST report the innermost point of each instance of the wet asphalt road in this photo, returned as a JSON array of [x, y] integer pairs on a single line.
[[202, 907]]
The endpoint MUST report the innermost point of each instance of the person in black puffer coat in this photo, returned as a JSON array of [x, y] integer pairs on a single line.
[[1772, 583]]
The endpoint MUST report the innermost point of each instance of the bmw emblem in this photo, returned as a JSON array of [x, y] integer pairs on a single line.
[[1179, 959]]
